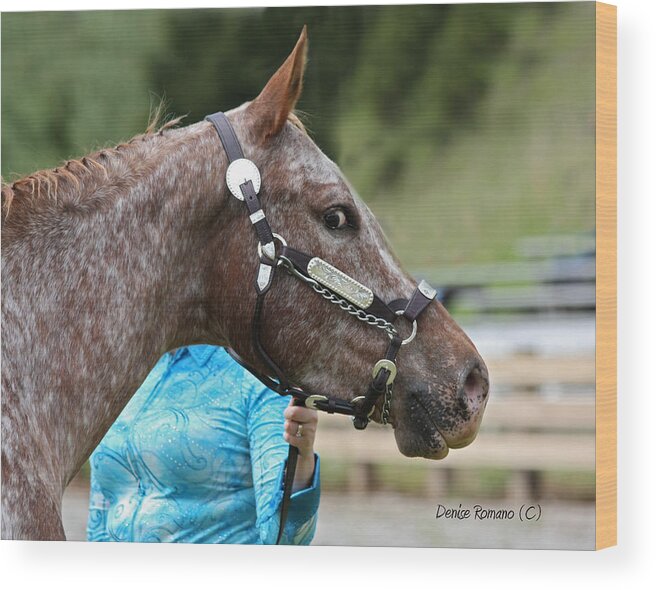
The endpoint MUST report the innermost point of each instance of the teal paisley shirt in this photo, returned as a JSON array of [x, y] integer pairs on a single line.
[[198, 456]]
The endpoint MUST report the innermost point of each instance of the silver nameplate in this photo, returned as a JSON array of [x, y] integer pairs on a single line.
[[264, 275], [340, 283], [426, 290]]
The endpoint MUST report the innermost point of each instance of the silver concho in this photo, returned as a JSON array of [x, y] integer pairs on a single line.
[[340, 283], [239, 172]]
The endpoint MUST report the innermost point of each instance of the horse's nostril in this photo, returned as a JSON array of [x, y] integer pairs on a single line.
[[476, 385]]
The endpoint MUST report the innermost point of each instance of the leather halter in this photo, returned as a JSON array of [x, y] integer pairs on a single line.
[[243, 180]]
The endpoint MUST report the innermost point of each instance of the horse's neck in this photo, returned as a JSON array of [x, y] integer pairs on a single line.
[[122, 286]]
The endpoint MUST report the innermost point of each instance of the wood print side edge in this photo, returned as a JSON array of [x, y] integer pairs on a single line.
[[606, 288]]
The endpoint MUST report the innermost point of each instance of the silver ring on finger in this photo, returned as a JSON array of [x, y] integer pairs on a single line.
[[299, 432]]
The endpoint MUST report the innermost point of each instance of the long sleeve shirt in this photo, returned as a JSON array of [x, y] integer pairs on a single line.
[[198, 456]]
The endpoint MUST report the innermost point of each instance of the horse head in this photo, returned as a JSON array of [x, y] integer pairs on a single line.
[[441, 387], [114, 258]]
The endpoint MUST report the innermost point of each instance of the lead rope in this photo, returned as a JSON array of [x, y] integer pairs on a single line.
[[292, 452], [290, 472]]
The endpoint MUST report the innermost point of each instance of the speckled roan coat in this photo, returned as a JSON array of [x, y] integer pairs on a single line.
[[113, 259]]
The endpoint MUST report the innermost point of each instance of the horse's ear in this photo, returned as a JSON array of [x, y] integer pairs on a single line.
[[278, 98]]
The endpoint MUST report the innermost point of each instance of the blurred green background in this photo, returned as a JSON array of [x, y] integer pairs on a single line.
[[469, 130], [465, 127]]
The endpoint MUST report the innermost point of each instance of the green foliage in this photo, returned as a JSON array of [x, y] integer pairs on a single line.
[[71, 82], [465, 127], [495, 140]]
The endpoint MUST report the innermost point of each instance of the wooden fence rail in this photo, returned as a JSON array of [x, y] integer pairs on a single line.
[[525, 436]]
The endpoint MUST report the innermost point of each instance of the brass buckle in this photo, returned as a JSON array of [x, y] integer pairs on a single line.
[[385, 364], [311, 401], [361, 398]]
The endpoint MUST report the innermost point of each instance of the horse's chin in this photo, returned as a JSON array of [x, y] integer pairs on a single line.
[[421, 441]]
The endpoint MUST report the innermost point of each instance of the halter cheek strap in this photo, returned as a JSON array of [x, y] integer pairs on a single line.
[[244, 181]]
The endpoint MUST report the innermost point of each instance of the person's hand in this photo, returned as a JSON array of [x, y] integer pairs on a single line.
[[303, 421], [301, 428]]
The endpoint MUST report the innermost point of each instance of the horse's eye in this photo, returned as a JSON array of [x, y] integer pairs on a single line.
[[335, 219]]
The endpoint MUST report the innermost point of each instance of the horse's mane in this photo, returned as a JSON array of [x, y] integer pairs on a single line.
[[45, 184], [71, 178]]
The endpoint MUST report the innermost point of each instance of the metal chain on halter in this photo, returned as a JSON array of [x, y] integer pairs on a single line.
[[361, 315], [387, 404]]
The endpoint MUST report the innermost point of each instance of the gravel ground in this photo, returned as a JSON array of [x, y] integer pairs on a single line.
[[385, 519]]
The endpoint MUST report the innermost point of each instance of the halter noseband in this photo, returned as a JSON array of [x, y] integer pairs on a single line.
[[243, 180]]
